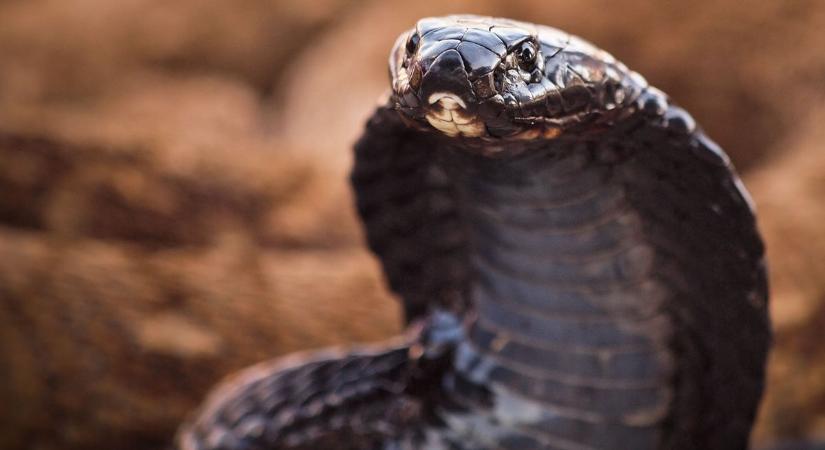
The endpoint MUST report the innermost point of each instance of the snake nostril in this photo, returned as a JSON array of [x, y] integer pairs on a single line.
[[415, 77], [498, 80], [484, 86]]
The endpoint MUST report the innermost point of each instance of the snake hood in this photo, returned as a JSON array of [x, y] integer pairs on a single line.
[[499, 79], [578, 264]]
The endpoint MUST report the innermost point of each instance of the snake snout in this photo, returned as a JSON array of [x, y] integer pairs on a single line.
[[446, 74], [450, 102]]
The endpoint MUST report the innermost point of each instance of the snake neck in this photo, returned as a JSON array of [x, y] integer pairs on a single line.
[[551, 222], [566, 319]]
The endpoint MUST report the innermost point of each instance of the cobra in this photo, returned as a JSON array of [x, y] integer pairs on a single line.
[[578, 262]]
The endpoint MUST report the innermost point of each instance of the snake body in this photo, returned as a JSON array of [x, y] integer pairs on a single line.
[[579, 265]]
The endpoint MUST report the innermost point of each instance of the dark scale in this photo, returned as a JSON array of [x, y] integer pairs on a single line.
[[579, 266]]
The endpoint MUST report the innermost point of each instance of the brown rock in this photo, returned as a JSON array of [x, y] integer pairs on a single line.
[[789, 191], [127, 291]]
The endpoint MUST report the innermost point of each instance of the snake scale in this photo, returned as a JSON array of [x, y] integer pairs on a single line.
[[579, 265]]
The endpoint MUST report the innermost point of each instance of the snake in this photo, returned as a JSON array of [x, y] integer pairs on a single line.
[[579, 265]]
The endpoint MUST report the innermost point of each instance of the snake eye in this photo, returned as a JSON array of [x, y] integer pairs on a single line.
[[526, 55], [412, 43]]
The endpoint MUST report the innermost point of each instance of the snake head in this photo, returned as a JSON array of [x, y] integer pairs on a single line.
[[482, 77]]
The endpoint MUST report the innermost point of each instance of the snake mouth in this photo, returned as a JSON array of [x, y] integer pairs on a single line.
[[448, 113]]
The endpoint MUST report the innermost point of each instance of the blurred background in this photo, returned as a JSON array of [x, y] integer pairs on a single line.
[[174, 206]]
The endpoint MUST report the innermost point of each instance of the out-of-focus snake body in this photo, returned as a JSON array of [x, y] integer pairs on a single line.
[[578, 262]]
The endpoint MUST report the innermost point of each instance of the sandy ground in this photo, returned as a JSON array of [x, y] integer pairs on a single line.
[[173, 203]]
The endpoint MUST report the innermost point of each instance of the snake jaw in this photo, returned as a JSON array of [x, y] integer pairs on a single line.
[[448, 114]]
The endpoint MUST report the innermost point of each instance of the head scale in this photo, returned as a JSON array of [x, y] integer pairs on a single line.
[[498, 79]]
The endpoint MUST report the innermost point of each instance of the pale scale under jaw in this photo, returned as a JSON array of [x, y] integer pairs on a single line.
[[450, 119]]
